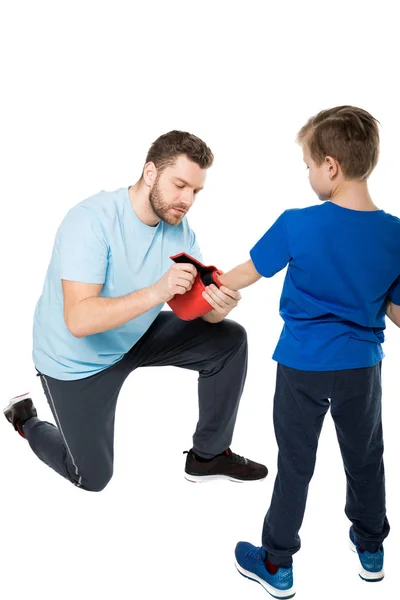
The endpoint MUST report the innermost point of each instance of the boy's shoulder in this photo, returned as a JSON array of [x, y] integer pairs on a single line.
[[392, 219], [313, 211], [316, 210]]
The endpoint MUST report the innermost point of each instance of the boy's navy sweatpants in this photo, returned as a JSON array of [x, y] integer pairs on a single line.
[[302, 399]]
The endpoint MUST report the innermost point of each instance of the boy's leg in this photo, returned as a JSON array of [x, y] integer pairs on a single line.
[[218, 352], [300, 404], [80, 448], [356, 410]]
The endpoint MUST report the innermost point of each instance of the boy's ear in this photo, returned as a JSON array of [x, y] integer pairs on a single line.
[[333, 166]]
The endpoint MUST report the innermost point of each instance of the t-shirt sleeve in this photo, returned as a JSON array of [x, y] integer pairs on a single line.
[[82, 247], [394, 292], [271, 253], [194, 249]]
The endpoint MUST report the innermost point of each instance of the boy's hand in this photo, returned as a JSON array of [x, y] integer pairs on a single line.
[[222, 299]]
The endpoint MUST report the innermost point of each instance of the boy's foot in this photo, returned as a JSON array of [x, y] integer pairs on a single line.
[[250, 562], [19, 410], [371, 563], [226, 465]]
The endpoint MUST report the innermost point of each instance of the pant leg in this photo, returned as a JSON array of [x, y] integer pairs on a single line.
[[81, 447], [300, 404], [356, 410], [218, 352]]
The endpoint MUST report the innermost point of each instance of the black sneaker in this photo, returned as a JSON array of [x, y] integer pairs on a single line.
[[223, 466], [19, 410]]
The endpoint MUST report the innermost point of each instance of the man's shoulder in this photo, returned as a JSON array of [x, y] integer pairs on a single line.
[[92, 214], [104, 201], [98, 207]]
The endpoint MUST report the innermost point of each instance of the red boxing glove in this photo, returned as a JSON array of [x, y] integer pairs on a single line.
[[192, 305]]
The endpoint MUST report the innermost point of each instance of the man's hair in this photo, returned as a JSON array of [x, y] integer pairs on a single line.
[[348, 134], [166, 149]]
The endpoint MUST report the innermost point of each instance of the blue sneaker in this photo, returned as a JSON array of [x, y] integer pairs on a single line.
[[250, 563], [371, 567]]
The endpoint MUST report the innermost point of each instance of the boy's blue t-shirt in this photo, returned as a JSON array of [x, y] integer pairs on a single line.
[[342, 266], [102, 241]]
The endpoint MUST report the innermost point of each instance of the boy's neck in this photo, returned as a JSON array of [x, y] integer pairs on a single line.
[[354, 195]]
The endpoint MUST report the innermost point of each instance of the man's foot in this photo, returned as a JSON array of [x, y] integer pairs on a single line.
[[250, 561], [19, 410], [371, 563], [226, 465]]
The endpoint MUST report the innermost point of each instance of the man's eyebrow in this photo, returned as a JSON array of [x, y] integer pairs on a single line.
[[186, 183]]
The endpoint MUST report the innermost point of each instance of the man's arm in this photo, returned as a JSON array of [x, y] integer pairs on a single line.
[[86, 313]]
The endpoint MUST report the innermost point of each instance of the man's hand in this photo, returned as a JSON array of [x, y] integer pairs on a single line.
[[177, 280], [222, 299]]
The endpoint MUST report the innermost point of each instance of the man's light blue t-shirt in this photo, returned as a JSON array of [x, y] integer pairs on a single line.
[[342, 266], [102, 241]]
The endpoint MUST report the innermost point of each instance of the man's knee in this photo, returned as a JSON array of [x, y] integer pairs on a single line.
[[229, 340], [232, 332], [94, 482]]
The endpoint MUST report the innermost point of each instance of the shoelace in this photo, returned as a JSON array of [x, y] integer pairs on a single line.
[[254, 554], [236, 457], [231, 456]]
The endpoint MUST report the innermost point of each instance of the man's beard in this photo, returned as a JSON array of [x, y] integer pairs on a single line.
[[162, 209]]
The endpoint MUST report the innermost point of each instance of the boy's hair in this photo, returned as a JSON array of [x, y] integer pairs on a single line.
[[348, 134], [166, 149]]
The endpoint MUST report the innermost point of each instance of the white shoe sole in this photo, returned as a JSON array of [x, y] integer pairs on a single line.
[[366, 575], [15, 400], [207, 478], [269, 588]]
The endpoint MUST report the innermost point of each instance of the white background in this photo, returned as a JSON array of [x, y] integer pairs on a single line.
[[86, 87]]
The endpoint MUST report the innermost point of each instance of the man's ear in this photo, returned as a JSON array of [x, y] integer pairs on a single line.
[[150, 174]]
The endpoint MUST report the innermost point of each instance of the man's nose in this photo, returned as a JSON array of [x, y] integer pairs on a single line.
[[188, 198]]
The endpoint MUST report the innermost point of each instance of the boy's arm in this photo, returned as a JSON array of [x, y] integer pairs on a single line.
[[241, 276], [393, 302], [393, 312], [269, 256]]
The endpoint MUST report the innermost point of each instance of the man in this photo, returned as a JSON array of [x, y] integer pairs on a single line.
[[99, 318]]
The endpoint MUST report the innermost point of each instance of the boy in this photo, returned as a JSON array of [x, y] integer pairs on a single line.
[[343, 260]]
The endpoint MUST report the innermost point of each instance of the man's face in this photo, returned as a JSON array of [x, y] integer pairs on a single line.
[[175, 190], [318, 176]]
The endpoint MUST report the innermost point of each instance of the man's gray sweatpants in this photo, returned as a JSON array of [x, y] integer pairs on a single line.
[[81, 447]]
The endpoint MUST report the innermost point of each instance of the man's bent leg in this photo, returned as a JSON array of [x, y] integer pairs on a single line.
[[80, 448], [219, 353], [220, 387]]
